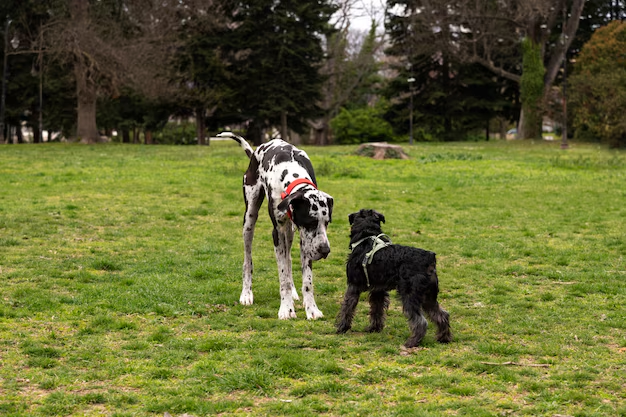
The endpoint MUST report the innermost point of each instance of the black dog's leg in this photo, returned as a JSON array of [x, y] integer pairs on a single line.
[[346, 314], [417, 322], [379, 303], [441, 318], [433, 310]]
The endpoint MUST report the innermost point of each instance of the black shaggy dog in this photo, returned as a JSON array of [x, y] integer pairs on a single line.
[[377, 266]]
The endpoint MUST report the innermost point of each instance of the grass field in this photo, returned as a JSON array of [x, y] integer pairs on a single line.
[[120, 270]]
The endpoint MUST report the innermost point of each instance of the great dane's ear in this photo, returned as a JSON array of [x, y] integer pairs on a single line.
[[379, 216], [351, 217], [283, 206], [331, 203]]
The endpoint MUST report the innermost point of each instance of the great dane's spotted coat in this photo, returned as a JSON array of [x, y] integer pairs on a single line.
[[274, 166]]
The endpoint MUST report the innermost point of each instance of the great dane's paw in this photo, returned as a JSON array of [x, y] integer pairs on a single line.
[[313, 313], [286, 313], [294, 294], [246, 298]]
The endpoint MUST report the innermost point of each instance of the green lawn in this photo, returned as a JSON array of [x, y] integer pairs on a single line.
[[120, 272]]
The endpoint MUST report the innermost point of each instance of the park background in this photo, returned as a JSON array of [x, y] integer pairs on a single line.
[[120, 263], [178, 72]]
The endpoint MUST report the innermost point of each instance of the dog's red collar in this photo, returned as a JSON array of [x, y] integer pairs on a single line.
[[294, 184], [290, 188]]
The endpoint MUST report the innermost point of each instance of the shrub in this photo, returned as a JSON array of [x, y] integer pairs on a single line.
[[598, 85], [174, 133], [361, 125]]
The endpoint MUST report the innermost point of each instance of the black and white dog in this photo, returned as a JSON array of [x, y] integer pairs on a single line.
[[285, 174], [377, 266]]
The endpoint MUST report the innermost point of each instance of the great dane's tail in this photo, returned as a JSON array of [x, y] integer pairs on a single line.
[[242, 142]]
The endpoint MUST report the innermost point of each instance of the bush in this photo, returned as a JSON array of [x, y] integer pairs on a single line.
[[174, 133], [360, 126], [598, 85]]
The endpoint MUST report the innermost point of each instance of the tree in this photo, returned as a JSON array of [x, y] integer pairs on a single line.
[[599, 85], [199, 69], [596, 14], [490, 33], [277, 51], [21, 23], [351, 69], [451, 96], [84, 37], [84, 45], [115, 44], [59, 112], [450, 99]]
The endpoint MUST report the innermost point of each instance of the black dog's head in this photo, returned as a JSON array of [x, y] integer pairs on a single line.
[[365, 223]]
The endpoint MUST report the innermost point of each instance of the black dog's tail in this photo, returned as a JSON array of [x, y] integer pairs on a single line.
[[242, 142]]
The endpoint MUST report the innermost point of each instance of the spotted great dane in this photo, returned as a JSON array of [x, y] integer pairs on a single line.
[[285, 174]]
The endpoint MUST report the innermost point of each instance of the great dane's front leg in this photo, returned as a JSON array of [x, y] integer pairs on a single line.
[[253, 197], [283, 237], [312, 312], [294, 292]]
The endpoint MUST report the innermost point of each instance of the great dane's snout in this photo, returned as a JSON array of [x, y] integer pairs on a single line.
[[324, 250]]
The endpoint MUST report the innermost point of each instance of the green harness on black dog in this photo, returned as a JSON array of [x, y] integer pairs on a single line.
[[379, 242]]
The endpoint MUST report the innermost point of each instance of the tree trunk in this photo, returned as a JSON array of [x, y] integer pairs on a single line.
[[530, 122], [568, 35], [125, 136], [86, 130], [531, 117], [255, 133], [322, 134], [37, 134], [447, 120], [327, 133], [487, 132], [86, 89], [148, 135], [532, 87], [502, 122], [18, 134], [200, 126], [284, 133]]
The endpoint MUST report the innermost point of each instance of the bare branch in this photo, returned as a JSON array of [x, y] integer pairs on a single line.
[[494, 68], [571, 26], [532, 365]]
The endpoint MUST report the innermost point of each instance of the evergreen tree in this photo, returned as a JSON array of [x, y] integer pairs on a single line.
[[450, 97], [277, 51], [199, 71]]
